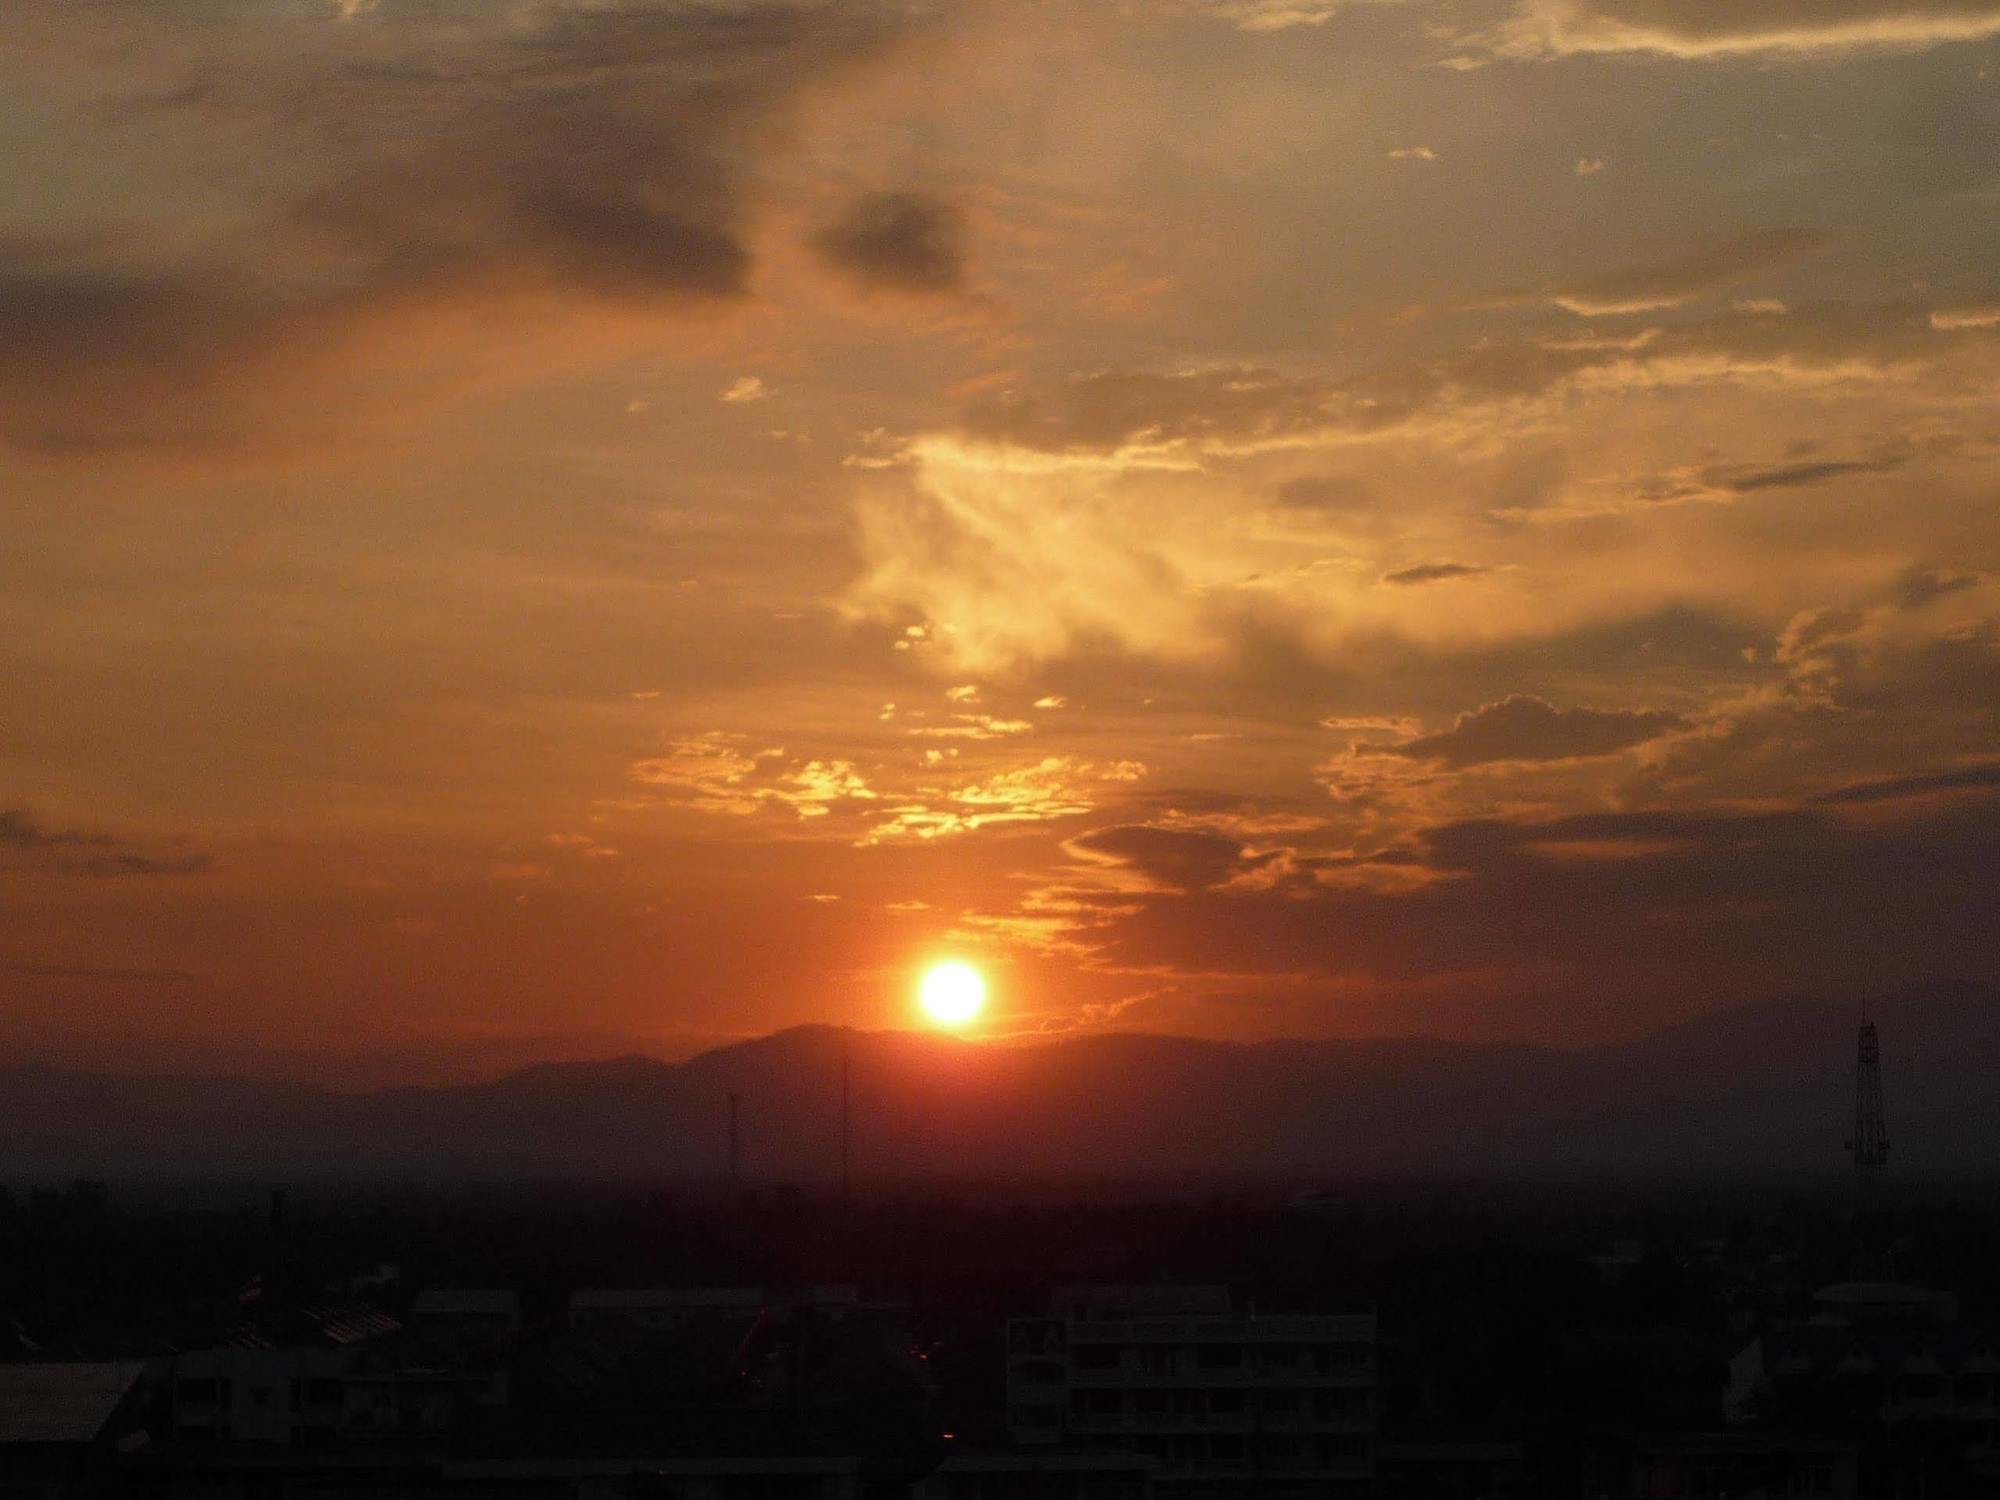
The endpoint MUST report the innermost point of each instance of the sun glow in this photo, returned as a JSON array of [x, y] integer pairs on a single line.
[[952, 994]]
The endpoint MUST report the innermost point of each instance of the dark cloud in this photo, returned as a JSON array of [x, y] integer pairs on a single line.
[[74, 851], [1921, 586], [465, 162], [1242, 406], [900, 242], [1524, 728], [1895, 788], [1436, 572], [1709, 269], [1326, 492], [1114, 408], [97, 974], [1608, 917], [1178, 859], [1744, 479]]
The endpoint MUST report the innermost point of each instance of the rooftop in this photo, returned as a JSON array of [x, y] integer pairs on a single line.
[[61, 1403], [460, 1302]]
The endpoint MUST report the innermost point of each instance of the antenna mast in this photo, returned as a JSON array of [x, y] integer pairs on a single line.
[[846, 1123], [1870, 1143], [735, 1140]]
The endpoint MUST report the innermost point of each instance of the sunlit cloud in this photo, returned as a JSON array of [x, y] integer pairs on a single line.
[[1723, 29], [1050, 789]]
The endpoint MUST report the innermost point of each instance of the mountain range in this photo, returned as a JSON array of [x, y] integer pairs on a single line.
[[1762, 1086]]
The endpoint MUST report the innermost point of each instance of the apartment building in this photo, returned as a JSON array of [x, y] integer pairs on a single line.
[[1217, 1396]]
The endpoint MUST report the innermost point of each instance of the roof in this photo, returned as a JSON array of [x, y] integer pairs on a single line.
[[1825, 1347], [351, 1325], [669, 1298], [67, 1403], [463, 1302]]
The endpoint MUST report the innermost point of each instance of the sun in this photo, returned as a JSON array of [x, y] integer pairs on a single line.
[[952, 994]]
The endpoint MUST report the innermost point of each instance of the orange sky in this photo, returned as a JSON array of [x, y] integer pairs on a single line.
[[556, 527]]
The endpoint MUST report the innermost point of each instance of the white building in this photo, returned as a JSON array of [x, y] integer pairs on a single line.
[[1897, 1353], [1218, 1397], [656, 1309]]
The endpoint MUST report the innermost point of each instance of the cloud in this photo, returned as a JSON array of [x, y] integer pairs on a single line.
[[474, 170], [1525, 728], [1609, 916], [899, 242], [1983, 779], [71, 851], [1280, 15], [1723, 29], [1744, 479], [1173, 858], [1110, 410], [714, 774], [745, 388], [1589, 166], [1413, 153], [1708, 269], [1969, 315], [1057, 786], [1437, 572], [1921, 586]]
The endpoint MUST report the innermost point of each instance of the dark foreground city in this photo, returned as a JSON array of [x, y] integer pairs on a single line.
[[1560, 1338]]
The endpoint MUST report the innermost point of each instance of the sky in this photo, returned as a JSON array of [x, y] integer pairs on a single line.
[[541, 529]]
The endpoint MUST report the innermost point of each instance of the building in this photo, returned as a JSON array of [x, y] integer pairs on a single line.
[[60, 1423], [480, 1311], [1039, 1473], [1217, 1397], [283, 1390], [1888, 1362], [1874, 1351], [1709, 1465], [656, 1309]]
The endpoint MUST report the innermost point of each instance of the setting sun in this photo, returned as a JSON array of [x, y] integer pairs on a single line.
[[952, 994]]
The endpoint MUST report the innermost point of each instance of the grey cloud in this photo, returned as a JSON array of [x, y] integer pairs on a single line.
[[1326, 492], [1922, 586], [83, 852], [464, 158], [903, 242], [1437, 572], [1524, 728], [1984, 778], [1608, 911], [1238, 406], [1710, 268], [1114, 408], [1743, 479], [1187, 860]]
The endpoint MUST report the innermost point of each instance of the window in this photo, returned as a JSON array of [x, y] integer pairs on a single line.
[[1097, 1357], [1220, 1357]]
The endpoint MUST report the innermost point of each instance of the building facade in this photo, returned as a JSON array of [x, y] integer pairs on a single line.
[[1218, 1397]]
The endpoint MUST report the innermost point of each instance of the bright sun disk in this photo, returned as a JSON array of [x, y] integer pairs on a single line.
[[952, 993]]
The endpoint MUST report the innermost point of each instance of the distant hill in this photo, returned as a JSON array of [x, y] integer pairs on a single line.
[[1761, 1086]]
